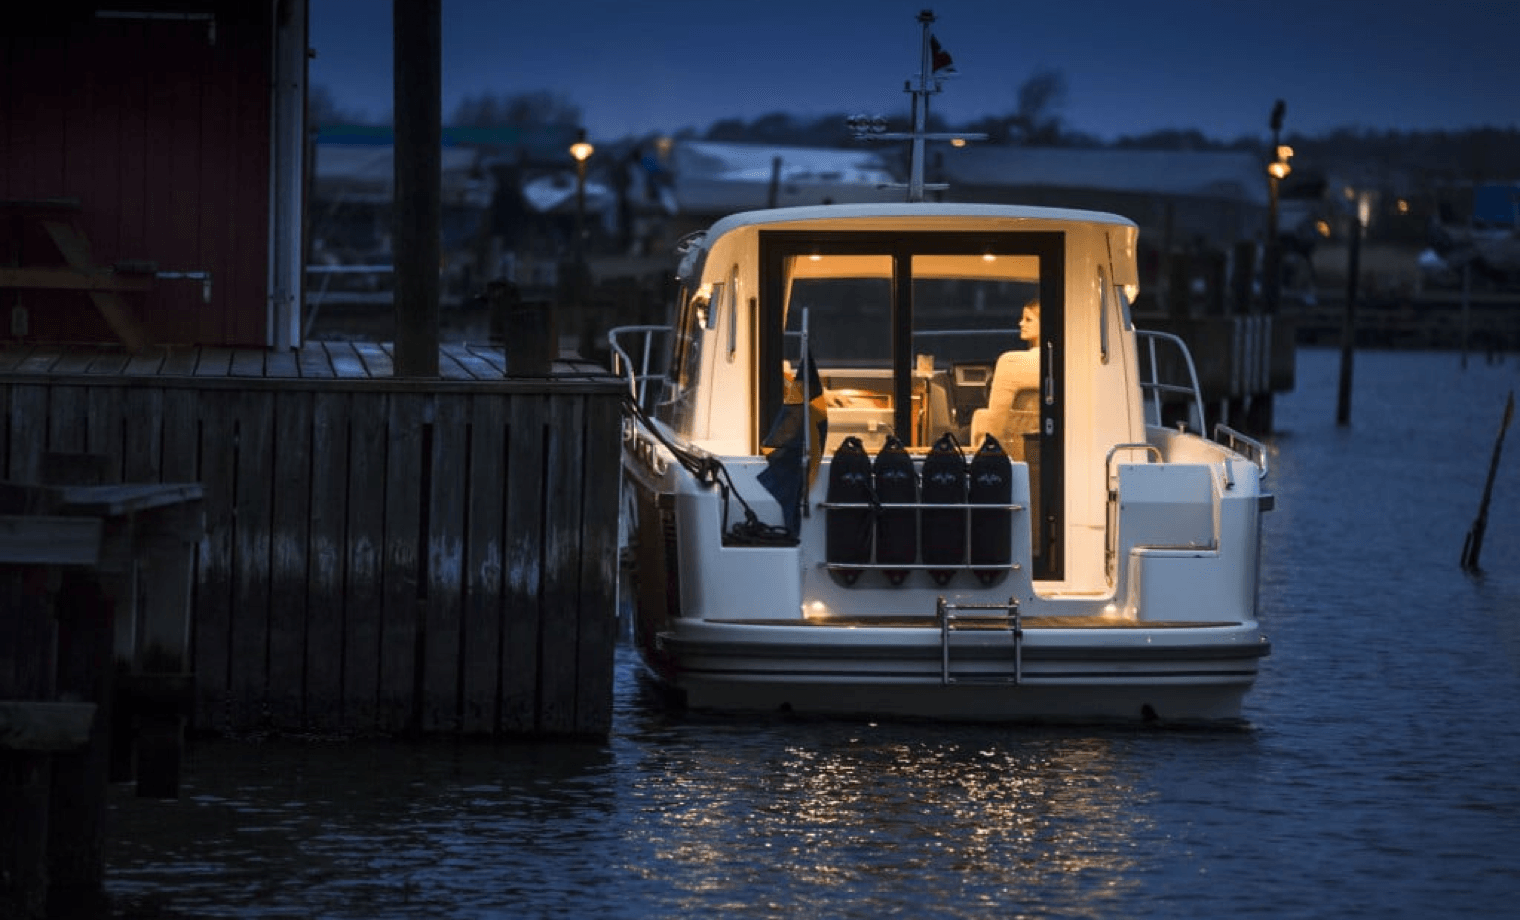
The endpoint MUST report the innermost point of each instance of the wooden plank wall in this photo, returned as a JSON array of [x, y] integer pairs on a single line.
[[159, 126], [381, 558]]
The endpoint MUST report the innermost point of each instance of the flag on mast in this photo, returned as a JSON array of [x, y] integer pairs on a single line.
[[939, 57]]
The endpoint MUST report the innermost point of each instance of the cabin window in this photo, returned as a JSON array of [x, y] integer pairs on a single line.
[[907, 334], [970, 363], [730, 311], [686, 360], [848, 314], [918, 335]]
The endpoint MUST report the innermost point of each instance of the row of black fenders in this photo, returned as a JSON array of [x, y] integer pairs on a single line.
[[957, 514]]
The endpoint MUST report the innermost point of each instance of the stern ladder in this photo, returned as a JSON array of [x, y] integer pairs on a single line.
[[1000, 617]]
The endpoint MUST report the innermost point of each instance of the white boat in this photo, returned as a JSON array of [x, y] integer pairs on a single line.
[[825, 515]]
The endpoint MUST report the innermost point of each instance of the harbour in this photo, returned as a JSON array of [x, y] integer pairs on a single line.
[[302, 622], [1373, 777]]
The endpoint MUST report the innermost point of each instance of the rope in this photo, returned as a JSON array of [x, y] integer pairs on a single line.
[[710, 471]]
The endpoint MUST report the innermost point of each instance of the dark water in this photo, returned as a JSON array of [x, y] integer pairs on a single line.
[[1380, 776]]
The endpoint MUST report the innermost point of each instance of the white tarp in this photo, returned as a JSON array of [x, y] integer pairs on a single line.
[[365, 174]]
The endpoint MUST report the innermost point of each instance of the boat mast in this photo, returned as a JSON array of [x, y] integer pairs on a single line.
[[921, 109], [928, 83]]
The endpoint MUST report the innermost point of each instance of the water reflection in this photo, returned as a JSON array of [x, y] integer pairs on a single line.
[[860, 819], [675, 816]]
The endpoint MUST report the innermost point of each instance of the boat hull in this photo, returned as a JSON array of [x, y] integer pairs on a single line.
[[1090, 675]]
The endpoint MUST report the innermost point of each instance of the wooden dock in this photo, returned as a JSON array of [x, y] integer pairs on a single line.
[[381, 555]]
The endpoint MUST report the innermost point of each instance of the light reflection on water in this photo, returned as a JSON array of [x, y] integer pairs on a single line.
[[1378, 778]]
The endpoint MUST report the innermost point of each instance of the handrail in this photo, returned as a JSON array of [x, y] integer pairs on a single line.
[[624, 365], [1108, 459], [1255, 451], [1152, 389], [933, 506], [1155, 387]]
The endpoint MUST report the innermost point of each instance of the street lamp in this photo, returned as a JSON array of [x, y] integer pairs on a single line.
[[1279, 167], [579, 284], [581, 150], [1277, 170]]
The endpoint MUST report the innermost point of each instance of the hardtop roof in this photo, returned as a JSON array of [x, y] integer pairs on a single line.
[[914, 212]]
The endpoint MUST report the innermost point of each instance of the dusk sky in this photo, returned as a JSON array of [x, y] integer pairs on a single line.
[[1130, 67]]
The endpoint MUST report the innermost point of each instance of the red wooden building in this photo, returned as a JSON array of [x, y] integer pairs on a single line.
[[151, 159]]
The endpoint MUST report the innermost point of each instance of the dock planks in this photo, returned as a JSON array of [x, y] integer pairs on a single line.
[[382, 555]]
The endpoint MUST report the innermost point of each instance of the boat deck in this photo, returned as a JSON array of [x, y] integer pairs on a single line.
[[964, 622], [317, 365]]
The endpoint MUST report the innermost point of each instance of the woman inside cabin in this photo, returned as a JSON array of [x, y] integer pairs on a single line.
[[1013, 401]]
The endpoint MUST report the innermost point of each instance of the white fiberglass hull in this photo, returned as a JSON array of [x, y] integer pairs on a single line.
[[1095, 674]]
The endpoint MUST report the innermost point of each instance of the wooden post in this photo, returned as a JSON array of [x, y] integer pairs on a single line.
[[26, 643], [417, 214], [1179, 287], [159, 664], [1242, 272], [1348, 325], [1466, 305], [1216, 301], [527, 330], [1474, 543], [77, 798], [1164, 265]]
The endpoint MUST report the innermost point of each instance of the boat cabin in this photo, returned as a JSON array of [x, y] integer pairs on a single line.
[[910, 314]]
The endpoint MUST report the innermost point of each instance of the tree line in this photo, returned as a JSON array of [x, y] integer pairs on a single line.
[[1476, 154]]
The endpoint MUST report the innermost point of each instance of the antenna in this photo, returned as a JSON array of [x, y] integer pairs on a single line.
[[934, 65]]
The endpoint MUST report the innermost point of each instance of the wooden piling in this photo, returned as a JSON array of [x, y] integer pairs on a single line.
[[26, 736], [86, 603], [1348, 326], [417, 219], [1473, 545]]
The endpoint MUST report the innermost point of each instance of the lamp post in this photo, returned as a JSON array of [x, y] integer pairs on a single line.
[[1360, 212], [581, 150], [1277, 170]]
